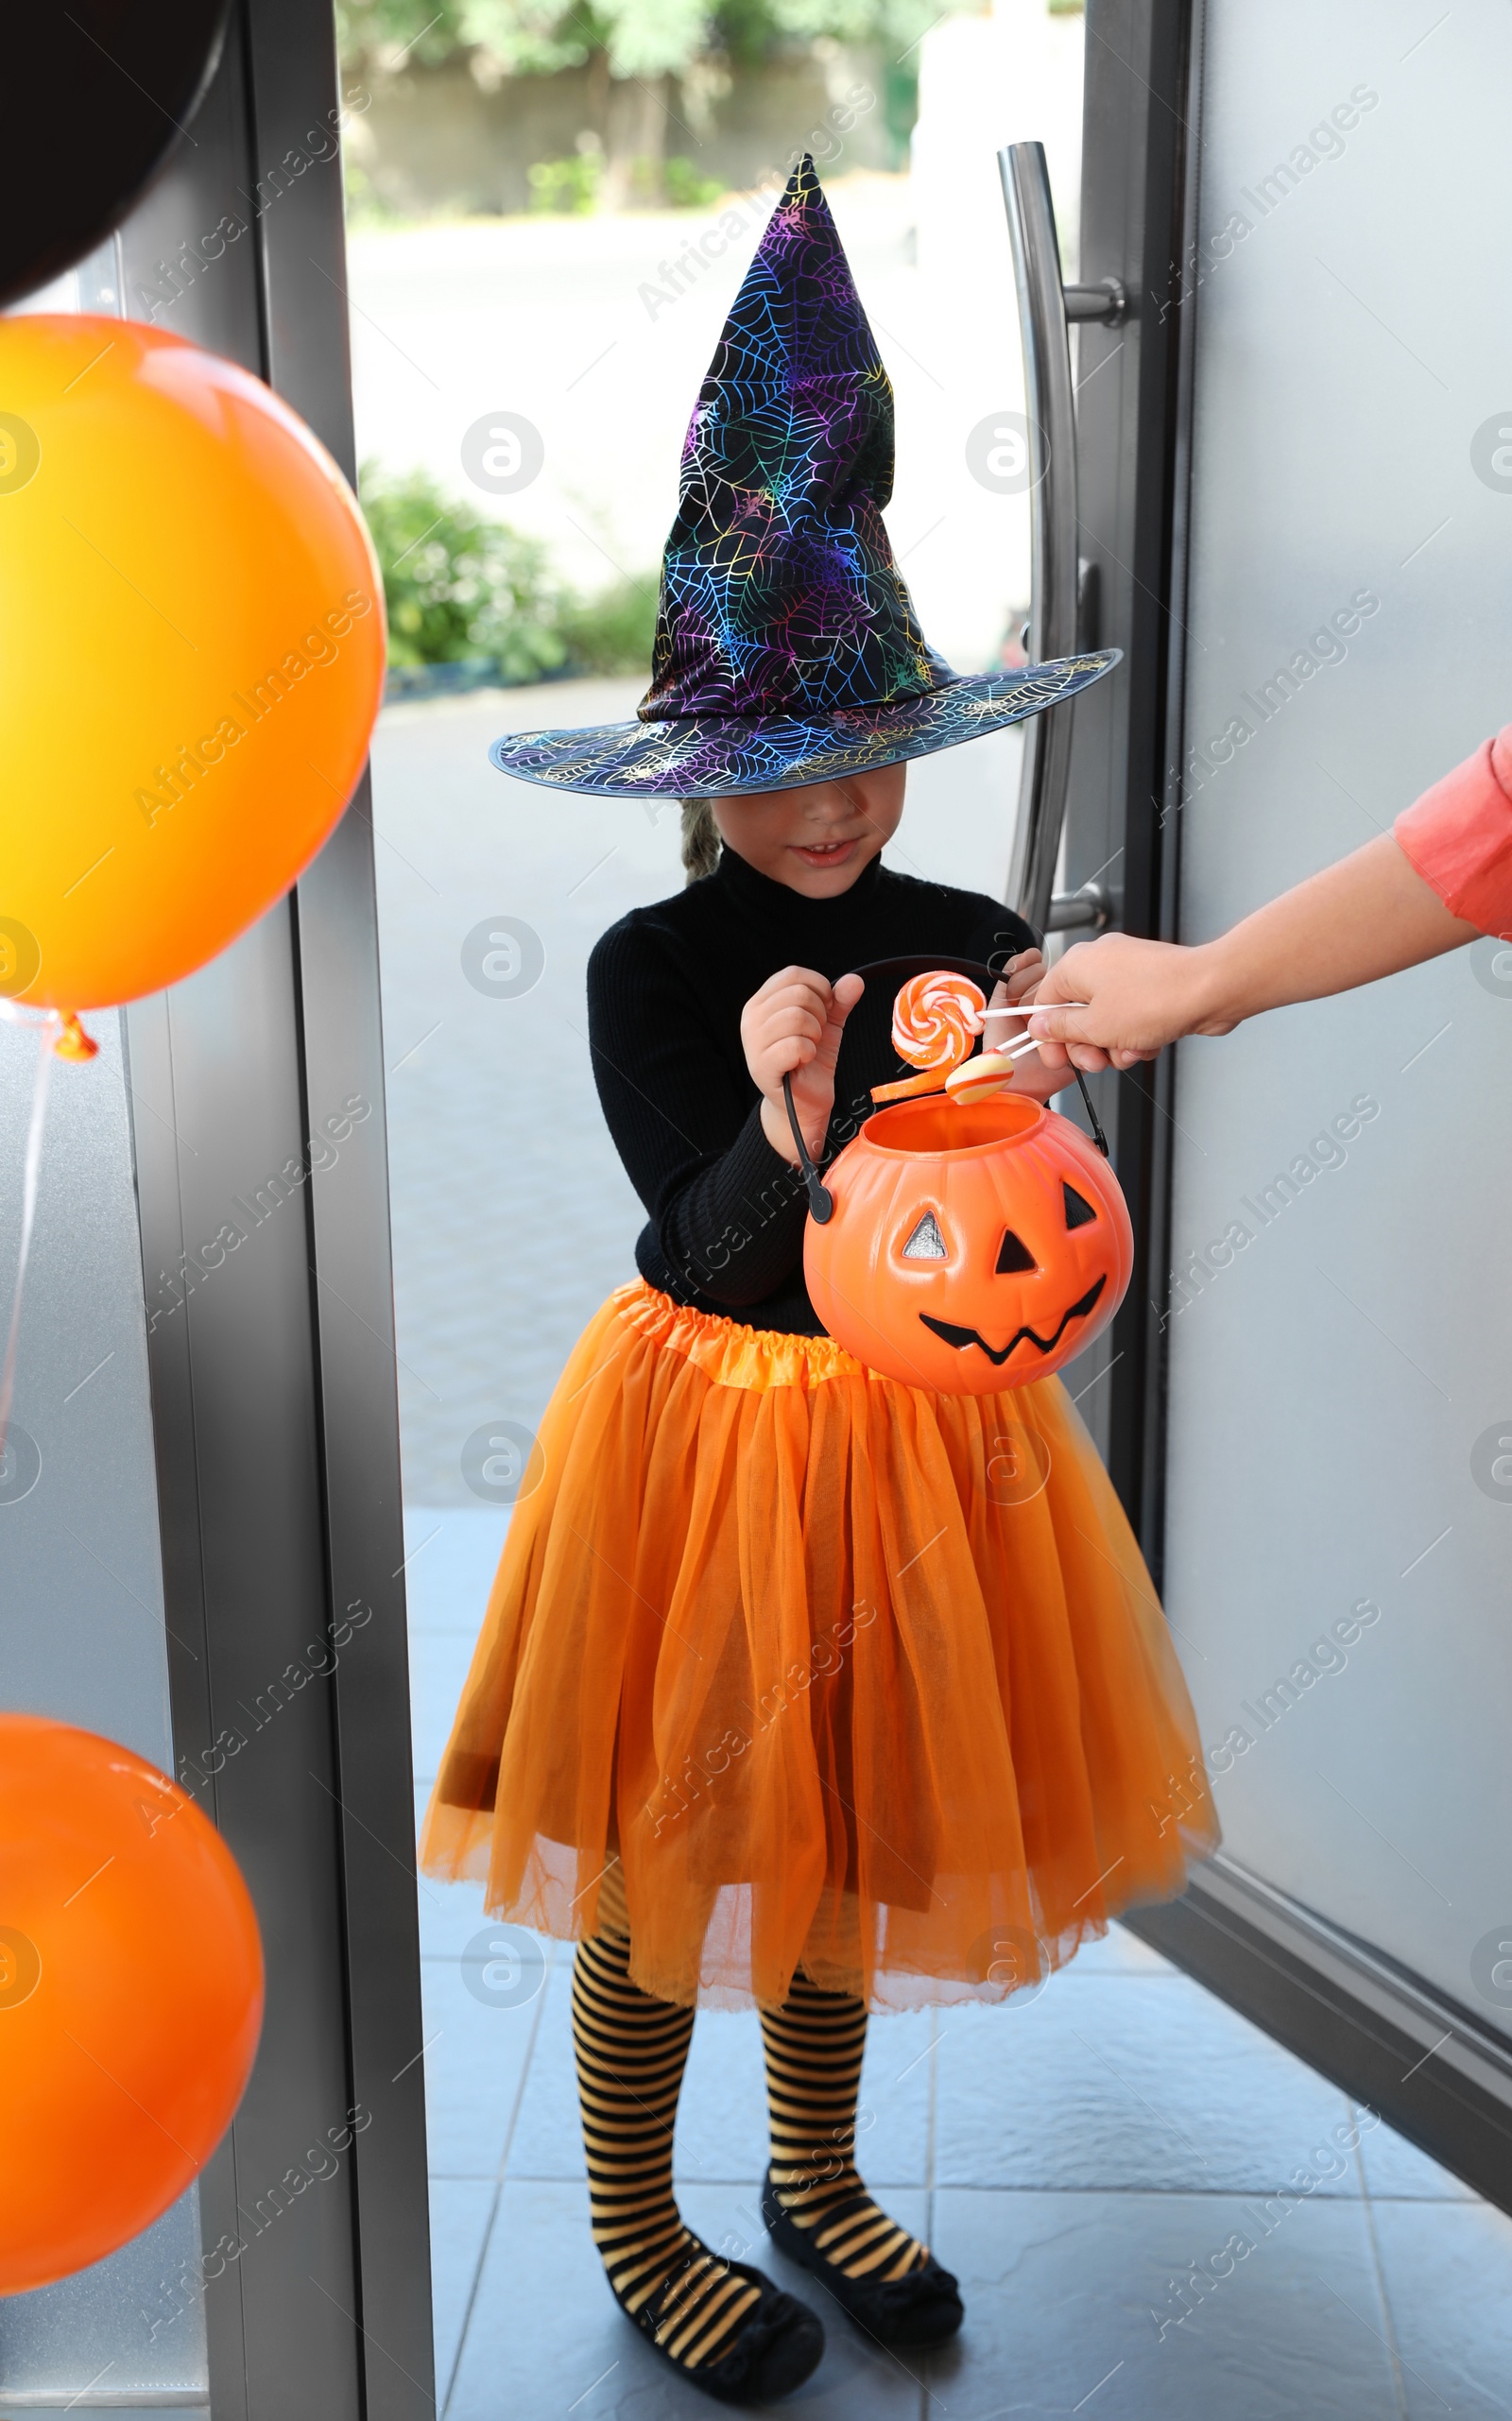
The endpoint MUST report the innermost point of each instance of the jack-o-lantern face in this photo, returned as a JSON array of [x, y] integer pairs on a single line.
[[972, 1246]]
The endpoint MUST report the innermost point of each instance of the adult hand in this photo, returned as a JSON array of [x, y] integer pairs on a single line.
[[792, 1026], [1139, 996]]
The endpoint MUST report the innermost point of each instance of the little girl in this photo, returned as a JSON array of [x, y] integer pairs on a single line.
[[784, 1695]]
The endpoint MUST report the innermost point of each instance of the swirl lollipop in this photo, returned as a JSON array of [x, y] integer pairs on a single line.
[[935, 1019]]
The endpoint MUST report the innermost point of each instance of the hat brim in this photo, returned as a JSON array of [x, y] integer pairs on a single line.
[[720, 756]]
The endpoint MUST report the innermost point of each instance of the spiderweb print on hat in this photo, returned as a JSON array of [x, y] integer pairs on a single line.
[[787, 648], [713, 756], [780, 594]]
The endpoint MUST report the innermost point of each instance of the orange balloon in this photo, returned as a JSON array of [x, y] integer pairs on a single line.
[[131, 1995], [192, 655]]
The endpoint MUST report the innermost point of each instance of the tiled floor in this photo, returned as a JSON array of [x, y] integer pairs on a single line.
[[1071, 2160]]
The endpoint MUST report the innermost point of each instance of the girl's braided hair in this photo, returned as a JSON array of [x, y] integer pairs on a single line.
[[701, 839]]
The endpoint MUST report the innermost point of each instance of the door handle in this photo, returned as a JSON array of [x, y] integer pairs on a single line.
[[1046, 308], [1092, 907]]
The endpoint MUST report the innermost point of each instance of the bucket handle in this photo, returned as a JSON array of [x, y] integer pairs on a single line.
[[821, 1201]]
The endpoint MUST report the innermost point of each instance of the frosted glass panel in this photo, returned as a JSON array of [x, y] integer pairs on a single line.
[[81, 1632], [1340, 1510]]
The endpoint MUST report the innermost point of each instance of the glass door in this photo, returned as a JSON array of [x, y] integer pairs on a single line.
[[1308, 419]]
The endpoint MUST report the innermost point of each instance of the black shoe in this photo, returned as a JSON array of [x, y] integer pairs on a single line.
[[922, 2309], [779, 2342]]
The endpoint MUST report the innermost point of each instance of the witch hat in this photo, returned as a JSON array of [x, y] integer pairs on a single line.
[[787, 648]]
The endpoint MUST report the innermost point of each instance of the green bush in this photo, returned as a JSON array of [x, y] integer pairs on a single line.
[[613, 630], [566, 188], [685, 188], [458, 585], [461, 588]]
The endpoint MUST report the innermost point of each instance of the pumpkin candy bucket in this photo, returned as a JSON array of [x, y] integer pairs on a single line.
[[965, 1244], [971, 1247]]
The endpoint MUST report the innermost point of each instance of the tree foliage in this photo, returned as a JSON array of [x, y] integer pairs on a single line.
[[642, 39], [396, 30]]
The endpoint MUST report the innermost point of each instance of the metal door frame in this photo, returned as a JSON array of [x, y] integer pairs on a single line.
[[1435, 2069], [274, 1397]]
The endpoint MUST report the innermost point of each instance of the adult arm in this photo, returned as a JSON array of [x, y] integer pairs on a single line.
[[1444, 876], [1368, 916]]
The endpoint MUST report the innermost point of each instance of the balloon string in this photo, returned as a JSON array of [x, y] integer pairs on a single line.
[[29, 1212]]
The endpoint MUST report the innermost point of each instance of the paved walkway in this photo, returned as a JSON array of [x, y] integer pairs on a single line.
[[1070, 2159]]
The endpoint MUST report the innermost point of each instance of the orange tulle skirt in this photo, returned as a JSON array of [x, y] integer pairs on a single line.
[[848, 1675]]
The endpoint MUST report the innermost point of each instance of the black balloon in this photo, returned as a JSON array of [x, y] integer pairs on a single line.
[[95, 94]]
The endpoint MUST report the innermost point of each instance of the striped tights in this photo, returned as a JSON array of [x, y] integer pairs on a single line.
[[631, 2052]]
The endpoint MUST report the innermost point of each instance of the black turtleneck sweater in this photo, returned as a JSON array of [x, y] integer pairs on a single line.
[[665, 990]]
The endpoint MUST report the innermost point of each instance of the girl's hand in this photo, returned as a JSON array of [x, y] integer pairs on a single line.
[[1021, 975], [792, 1026], [1031, 1077]]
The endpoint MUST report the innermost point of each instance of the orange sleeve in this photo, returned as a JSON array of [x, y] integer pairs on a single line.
[[1458, 835]]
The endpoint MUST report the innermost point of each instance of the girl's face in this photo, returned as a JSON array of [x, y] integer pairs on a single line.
[[816, 839]]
